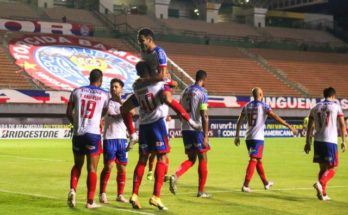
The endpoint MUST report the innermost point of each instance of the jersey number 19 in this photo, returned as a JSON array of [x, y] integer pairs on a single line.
[[87, 108]]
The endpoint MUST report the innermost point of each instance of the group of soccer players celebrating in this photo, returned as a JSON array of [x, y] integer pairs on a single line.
[[153, 96]]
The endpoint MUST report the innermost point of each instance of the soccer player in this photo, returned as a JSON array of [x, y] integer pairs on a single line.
[[152, 160], [155, 57], [153, 135], [325, 116], [114, 144], [85, 108], [195, 100], [255, 113]]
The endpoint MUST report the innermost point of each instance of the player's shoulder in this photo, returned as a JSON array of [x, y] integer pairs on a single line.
[[160, 52], [159, 49]]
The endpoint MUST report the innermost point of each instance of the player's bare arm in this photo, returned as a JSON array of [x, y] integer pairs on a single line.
[[283, 122], [163, 72], [69, 112], [239, 123], [342, 132], [129, 106], [205, 125], [307, 147]]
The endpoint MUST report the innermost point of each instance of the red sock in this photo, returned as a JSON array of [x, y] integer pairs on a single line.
[[104, 178], [138, 176], [202, 173], [74, 177], [261, 172], [159, 177], [249, 172], [128, 121], [179, 109], [167, 161], [326, 177], [320, 174], [91, 186], [121, 182], [184, 166], [151, 163]]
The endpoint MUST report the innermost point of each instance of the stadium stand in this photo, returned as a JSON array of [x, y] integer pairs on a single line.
[[73, 15], [17, 10], [138, 21], [231, 72], [11, 75], [313, 70], [199, 26], [312, 36]]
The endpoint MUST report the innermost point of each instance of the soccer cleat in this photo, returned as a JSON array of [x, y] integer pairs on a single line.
[[92, 205], [102, 198], [132, 141], [269, 185], [195, 125], [121, 198], [317, 186], [149, 176], [72, 198], [172, 184], [204, 195], [246, 189], [155, 201], [134, 200], [326, 198], [166, 178]]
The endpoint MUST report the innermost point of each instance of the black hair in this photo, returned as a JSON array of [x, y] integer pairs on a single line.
[[328, 92], [116, 80], [201, 75], [146, 32], [142, 68], [95, 75]]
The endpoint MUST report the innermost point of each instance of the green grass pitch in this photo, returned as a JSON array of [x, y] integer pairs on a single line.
[[35, 180]]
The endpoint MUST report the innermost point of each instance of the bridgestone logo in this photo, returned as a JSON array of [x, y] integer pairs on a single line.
[[29, 134]]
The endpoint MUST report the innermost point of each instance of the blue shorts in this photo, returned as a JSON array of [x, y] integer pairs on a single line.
[[325, 152], [193, 141], [115, 150], [153, 137], [255, 148], [87, 144]]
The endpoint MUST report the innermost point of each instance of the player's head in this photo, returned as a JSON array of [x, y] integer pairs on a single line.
[[257, 93], [201, 77], [96, 77], [116, 87], [329, 92], [143, 69], [146, 39]]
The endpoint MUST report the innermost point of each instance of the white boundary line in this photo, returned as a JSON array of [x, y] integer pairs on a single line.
[[257, 190], [28, 194], [56, 198], [127, 210], [31, 158]]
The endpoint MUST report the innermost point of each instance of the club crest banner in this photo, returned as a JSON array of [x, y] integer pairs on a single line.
[[64, 62]]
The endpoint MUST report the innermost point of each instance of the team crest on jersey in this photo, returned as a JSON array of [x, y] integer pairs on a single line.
[[64, 62]]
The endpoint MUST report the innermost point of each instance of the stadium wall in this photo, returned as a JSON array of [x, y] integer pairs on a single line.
[[41, 114]]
